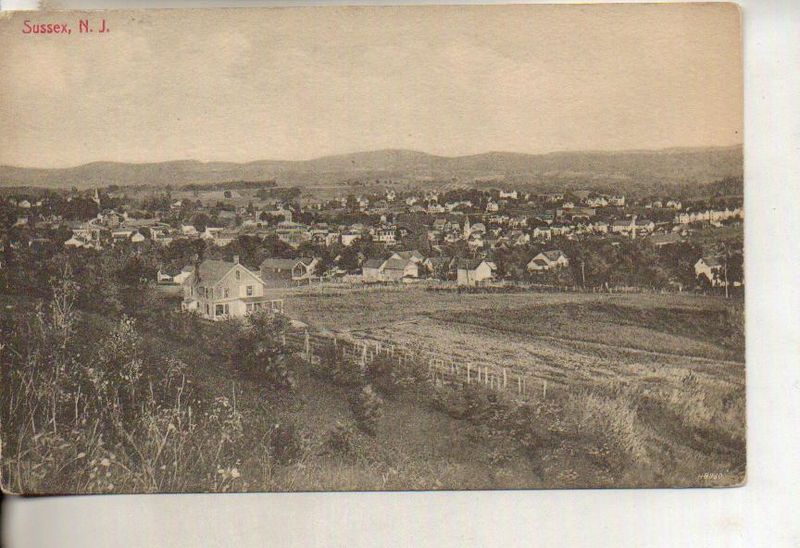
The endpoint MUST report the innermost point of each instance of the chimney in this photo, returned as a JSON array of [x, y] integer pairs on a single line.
[[196, 271], [235, 259]]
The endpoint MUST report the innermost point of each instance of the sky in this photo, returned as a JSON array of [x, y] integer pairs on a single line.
[[299, 83]]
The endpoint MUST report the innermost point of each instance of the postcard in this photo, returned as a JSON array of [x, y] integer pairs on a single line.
[[372, 248]]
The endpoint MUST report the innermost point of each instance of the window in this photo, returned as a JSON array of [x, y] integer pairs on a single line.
[[220, 310], [207, 310], [226, 292], [249, 290], [227, 309], [238, 275]]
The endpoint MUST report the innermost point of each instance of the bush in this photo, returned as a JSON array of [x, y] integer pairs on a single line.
[[97, 413], [336, 367], [367, 408], [611, 428], [287, 444], [390, 377], [341, 439]]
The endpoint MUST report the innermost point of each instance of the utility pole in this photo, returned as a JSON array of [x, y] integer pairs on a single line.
[[583, 272]]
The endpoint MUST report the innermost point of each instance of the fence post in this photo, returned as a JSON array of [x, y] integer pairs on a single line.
[[468, 372], [308, 347], [519, 385], [364, 357], [505, 378], [544, 389]]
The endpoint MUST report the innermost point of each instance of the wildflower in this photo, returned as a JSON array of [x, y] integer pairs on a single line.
[[80, 455], [235, 473], [105, 462]]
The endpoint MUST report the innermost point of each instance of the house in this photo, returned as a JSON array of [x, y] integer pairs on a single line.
[[225, 237], [395, 269], [632, 226], [617, 201], [165, 276], [219, 290], [548, 260], [286, 272], [674, 204], [710, 267], [597, 201], [349, 238], [371, 270], [543, 232], [384, 235], [472, 272], [76, 241], [413, 255], [512, 194], [660, 240], [185, 272]]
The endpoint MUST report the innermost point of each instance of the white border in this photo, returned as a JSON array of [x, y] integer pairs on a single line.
[[763, 513]]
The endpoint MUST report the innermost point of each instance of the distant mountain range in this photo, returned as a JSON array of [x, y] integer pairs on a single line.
[[699, 165]]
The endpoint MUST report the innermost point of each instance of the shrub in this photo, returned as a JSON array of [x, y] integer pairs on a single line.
[[335, 366], [611, 428], [287, 444], [341, 439], [367, 408], [259, 350], [390, 376]]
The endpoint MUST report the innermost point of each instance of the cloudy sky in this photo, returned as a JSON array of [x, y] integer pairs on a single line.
[[244, 85]]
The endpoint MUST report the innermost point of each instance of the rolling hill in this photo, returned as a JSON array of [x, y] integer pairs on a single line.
[[699, 165]]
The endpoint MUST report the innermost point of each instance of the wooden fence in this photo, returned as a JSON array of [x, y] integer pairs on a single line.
[[440, 370]]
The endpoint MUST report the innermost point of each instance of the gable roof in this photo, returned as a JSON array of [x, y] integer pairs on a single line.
[[553, 255], [407, 255], [470, 264], [372, 263], [711, 261], [664, 239], [396, 264], [278, 264], [212, 271]]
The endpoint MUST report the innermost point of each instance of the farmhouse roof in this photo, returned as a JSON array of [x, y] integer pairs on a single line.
[[712, 261], [396, 264], [407, 255], [373, 263], [469, 264], [212, 271], [553, 255], [279, 264], [664, 239]]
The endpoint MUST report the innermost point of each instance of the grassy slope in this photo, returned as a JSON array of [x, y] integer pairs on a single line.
[[416, 447], [420, 448], [650, 344]]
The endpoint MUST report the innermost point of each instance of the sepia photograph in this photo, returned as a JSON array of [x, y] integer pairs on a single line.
[[372, 249]]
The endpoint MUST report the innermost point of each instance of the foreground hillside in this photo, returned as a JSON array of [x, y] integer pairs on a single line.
[[97, 403]]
